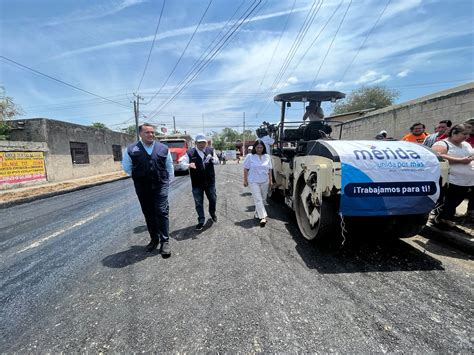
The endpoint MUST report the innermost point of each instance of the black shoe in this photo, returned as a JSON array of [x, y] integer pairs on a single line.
[[214, 218], [263, 221], [199, 226], [165, 249], [152, 245]]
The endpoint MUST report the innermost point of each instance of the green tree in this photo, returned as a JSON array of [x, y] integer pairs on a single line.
[[8, 108], [225, 139], [99, 125], [230, 135], [217, 141], [250, 135], [130, 130], [8, 111], [366, 97]]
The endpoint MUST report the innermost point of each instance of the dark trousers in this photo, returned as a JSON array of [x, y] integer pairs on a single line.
[[155, 208], [198, 194], [470, 196], [453, 197]]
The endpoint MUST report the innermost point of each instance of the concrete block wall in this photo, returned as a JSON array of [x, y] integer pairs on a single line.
[[15, 146], [58, 135], [456, 104]]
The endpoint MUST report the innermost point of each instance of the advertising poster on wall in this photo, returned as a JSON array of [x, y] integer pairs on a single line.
[[387, 178], [16, 167]]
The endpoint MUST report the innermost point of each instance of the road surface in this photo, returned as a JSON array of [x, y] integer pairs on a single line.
[[75, 277]]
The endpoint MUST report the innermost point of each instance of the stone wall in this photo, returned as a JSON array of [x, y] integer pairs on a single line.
[[456, 104]]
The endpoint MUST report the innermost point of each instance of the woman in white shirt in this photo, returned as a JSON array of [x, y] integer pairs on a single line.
[[460, 156], [258, 175]]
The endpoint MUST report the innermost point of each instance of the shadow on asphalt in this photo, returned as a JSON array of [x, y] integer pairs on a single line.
[[140, 229], [248, 223], [246, 194], [185, 233], [129, 257], [436, 247], [250, 209], [358, 254], [189, 232], [362, 254]]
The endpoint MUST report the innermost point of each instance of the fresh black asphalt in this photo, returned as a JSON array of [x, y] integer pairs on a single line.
[[75, 277]]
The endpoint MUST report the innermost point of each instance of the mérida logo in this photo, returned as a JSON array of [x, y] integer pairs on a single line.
[[386, 153]]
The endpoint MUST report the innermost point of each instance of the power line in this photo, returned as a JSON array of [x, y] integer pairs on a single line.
[[329, 48], [278, 43], [274, 52], [315, 39], [265, 106], [297, 42], [308, 21], [365, 39], [151, 48], [196, 63], [182, 54], [210, 57], [91, 101], [60, 81], [201, 63]]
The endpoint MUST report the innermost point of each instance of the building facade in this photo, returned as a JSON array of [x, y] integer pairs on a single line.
[[69, 151]]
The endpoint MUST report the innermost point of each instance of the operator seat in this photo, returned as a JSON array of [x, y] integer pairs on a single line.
[[316, 130]]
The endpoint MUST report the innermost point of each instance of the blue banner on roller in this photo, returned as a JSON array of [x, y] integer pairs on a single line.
[[375, 189], [386, 178]]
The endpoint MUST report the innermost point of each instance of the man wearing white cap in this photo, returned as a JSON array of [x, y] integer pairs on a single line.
[[381, 136], [201, 160]]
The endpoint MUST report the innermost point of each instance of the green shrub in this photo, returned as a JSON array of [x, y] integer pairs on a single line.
[[4, 130]]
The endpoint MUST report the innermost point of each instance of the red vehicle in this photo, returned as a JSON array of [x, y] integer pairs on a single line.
[[178, 145]]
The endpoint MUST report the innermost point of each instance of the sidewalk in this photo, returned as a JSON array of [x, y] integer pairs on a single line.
[[461, 237], [11, 197]]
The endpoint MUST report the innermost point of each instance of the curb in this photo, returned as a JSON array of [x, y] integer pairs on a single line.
[[460, 240], [55, 193]]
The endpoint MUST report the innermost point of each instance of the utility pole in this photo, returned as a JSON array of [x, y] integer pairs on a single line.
[[243, 138], [136, 110], [174, 126]]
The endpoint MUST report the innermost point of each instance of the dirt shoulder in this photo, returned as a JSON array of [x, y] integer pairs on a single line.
[[12, 195]]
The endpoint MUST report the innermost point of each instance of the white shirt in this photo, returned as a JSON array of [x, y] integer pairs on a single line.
[[459, 174], [268, 141], [258, 167], [184, 160]]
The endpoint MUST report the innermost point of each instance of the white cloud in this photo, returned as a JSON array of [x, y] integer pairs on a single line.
[[403, 73], [404, 45], [95, 12], [372, 77], [208, 27]]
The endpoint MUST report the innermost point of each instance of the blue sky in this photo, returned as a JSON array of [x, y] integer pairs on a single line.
[[417, 47]]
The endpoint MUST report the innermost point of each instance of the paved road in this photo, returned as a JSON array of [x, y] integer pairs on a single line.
[[75, 277]]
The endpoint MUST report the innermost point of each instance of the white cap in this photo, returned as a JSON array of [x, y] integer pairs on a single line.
[[200, 137], [383, 132]]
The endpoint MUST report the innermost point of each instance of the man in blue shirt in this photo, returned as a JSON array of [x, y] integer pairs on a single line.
[[151, 167]]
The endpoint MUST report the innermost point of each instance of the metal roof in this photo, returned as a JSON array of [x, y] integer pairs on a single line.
[[304, 96]]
